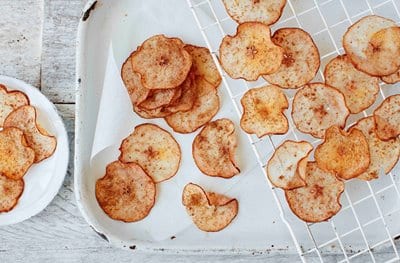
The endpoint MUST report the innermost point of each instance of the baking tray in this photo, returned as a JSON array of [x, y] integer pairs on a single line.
[[368, 221]]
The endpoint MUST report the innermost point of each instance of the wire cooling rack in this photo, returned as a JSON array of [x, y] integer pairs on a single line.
[[369, 221]]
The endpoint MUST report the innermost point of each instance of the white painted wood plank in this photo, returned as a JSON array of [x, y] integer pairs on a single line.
[[58, 60], [20, 39]]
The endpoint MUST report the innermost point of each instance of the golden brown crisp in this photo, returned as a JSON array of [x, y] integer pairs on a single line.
[[383, 154], [125, 192], [284, 169], [373, 45], [210, 212], [316, 107], [17, 157], [137, 92], [300, 61], [387, 118], [9, 101], [360, 90], [344, 153], [161, 62], [214, 149], [263, 111], [154, 149], [24, 118], [10, 192], [205, 106], [319, 200], [265, 11], [250, 53], [203, 64]]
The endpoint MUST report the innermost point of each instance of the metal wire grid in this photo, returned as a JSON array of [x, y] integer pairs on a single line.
[[323, 14]]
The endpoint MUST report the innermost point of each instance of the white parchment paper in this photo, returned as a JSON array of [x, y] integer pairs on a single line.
[[116, 120]]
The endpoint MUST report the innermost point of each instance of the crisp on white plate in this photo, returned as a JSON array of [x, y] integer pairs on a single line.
[[44, 179]]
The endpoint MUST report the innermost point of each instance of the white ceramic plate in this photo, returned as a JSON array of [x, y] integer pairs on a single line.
[[43, 180]]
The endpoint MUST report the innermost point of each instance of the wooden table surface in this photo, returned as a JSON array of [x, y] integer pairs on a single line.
[[37, 45]]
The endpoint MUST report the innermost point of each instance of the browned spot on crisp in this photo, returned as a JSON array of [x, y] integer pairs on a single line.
[[320, 111], [251, 51], [256, 1], [288, 59], [150, 152], [341, 150], [195, 199], [352, 85], [281, 177], [317, 191], [163, 61]]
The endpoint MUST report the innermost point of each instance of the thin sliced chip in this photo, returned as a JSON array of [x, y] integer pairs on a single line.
[[10, 192], [319, 200], [300, 61], [186, 100], [387, 118], [204, 109], [384, 154], [126, 192], [372, 47], [17, 157], [250, 53], [286, 168], [263, 111], [151, 114], [9, 101], [392, 78], [344, 153], [159, 97], [316, 107], [162, 62], [203, 64], [24, 118], [154, 149], [214, 149], [360, 90], [137, 92], [265, 11], [206, 215]]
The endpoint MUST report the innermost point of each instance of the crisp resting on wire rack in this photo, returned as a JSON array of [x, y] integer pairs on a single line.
[[373, 49]]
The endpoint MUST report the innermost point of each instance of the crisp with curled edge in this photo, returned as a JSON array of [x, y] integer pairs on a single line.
[[316, 107], [10, 192], [373, 45], [383, 154], [387, 118], [265, 11], [392, 78], [205, 106], [161, 62], [286, 168], [250, 53], [203, 64], [263, 111], [188, 96], [126, 192], [154, 149], [9, 101], [36, 136], [210, 212], [159, 97], [319, 200], [133, 84], [17, 156], [360, 90], [214, 149], [344, 153], [300, 61]]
